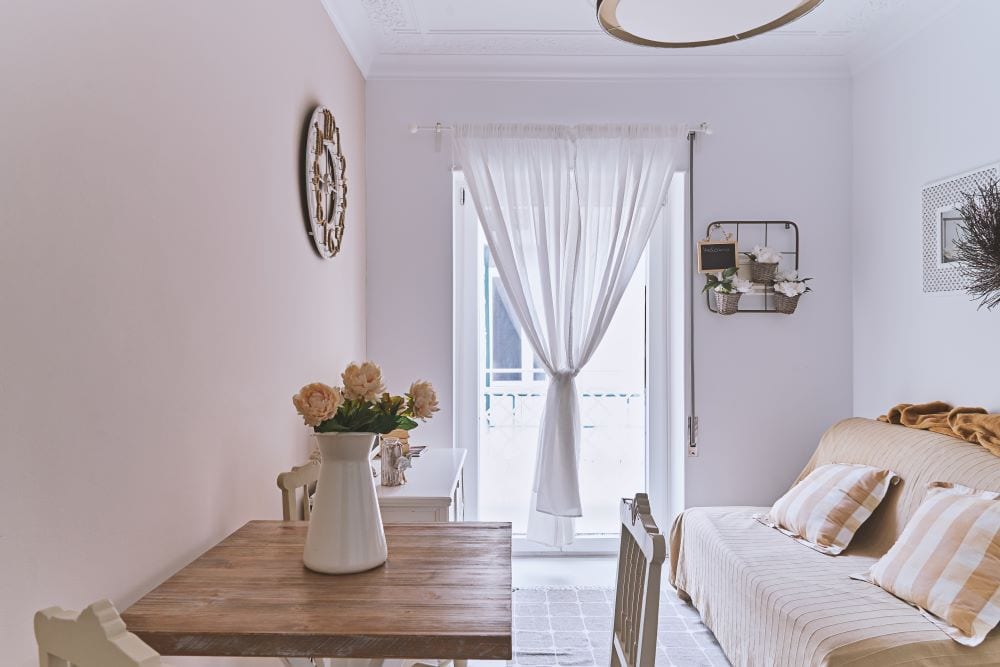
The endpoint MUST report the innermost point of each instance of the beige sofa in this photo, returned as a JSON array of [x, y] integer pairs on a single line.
[[773, 602]]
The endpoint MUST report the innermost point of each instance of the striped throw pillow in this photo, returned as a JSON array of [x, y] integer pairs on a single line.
[[824, 510], [947, 561]]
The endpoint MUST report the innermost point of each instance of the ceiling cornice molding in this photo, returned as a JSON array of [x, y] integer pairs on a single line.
[[895, 30], [605, 68], [397, 39], [355, 31]]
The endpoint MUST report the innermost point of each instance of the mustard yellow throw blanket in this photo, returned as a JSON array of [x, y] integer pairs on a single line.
[[972, 424]]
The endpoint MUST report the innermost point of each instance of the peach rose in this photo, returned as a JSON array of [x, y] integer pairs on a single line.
[[317, 402], [362, 382], [423, 400]]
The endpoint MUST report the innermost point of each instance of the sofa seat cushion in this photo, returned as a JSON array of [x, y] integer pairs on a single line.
[[773, 602]]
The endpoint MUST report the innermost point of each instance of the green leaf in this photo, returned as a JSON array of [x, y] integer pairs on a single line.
[[406, 423], [383, 423], [330, 426]]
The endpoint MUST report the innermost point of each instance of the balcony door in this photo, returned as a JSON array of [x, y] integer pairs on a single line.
[[500, 393]]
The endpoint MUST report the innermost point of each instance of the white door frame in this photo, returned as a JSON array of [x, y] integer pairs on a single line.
[[465, 341], [665, 339]]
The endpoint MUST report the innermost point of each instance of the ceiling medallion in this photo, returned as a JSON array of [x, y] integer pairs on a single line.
[[676, 24], [326, 183]]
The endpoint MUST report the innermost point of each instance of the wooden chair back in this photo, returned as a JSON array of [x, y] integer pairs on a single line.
[[296, 486], [637, 600], [94, 637]]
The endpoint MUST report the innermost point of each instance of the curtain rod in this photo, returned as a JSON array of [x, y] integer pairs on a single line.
[[692, 418], [438, 128]]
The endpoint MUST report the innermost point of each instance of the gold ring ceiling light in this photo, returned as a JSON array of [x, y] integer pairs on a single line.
[[675, 24]]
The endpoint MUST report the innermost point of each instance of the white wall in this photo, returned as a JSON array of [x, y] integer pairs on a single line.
[[160, 300], [768, 385], [926, 110]]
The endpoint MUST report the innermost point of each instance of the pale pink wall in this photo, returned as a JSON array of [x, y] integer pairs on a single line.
[[160, 300]]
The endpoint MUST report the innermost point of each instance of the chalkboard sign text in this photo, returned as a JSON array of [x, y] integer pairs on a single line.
[[714, 256]]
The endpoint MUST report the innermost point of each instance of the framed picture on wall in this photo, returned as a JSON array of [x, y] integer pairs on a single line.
[[943, 225]]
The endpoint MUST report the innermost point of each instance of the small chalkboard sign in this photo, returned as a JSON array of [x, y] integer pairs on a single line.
[[714, 256]]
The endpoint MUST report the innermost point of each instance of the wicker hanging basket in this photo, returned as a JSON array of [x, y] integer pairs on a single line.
[[726, 303], [785, 304], [762, 273]]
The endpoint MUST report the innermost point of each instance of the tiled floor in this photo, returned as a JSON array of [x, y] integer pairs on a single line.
[[558, 626], [683, 639]]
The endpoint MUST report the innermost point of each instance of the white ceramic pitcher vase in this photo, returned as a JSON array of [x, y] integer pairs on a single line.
[[345, 528]]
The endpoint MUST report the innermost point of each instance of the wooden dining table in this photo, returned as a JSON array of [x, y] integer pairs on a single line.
[[444, 593]]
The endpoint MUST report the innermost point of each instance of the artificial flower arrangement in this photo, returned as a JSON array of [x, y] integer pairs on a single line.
[[763, 255], [788, 287], [363, 405], [347, 421], [763, 263], [789, 283], [728, 288], [727, 282]]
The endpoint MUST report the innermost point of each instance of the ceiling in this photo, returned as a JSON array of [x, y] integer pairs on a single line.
[[561, 38]]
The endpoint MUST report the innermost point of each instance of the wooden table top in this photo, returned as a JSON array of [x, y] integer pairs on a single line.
[[445, 592]]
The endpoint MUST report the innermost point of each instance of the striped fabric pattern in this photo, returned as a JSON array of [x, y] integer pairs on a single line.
[[947, 561], [824, 510], [772, 603]]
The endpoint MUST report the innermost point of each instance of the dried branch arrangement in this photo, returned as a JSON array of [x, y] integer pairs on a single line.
[[978, 247]]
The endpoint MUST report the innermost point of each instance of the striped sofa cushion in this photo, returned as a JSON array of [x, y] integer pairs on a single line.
[[947, 561], [824, 510]]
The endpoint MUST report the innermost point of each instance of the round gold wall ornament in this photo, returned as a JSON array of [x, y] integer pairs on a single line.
[[677, 24], [326, 183]]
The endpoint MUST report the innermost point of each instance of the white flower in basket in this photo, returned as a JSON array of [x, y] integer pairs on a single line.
[[741, 285], [764, 255], [788, 291], [728, 288], [790, 288], [727, 282]]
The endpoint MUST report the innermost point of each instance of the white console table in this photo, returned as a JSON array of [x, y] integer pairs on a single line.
[[434, 489]]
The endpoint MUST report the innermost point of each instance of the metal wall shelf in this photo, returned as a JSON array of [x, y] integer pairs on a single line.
[[782, 235]]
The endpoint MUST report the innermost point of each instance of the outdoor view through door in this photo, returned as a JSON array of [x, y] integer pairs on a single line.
[[612, 390]]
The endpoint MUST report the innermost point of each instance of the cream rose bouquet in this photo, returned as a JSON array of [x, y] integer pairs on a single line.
[[362, 405]]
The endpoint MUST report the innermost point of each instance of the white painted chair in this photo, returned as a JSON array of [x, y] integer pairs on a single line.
[[637, 600], [94, 637], [296, 486]]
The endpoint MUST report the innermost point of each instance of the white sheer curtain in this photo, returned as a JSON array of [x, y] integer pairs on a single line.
[[567, 212]]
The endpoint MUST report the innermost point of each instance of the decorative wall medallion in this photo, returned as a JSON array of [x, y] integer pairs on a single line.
[[942, 226], [326, 183]]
